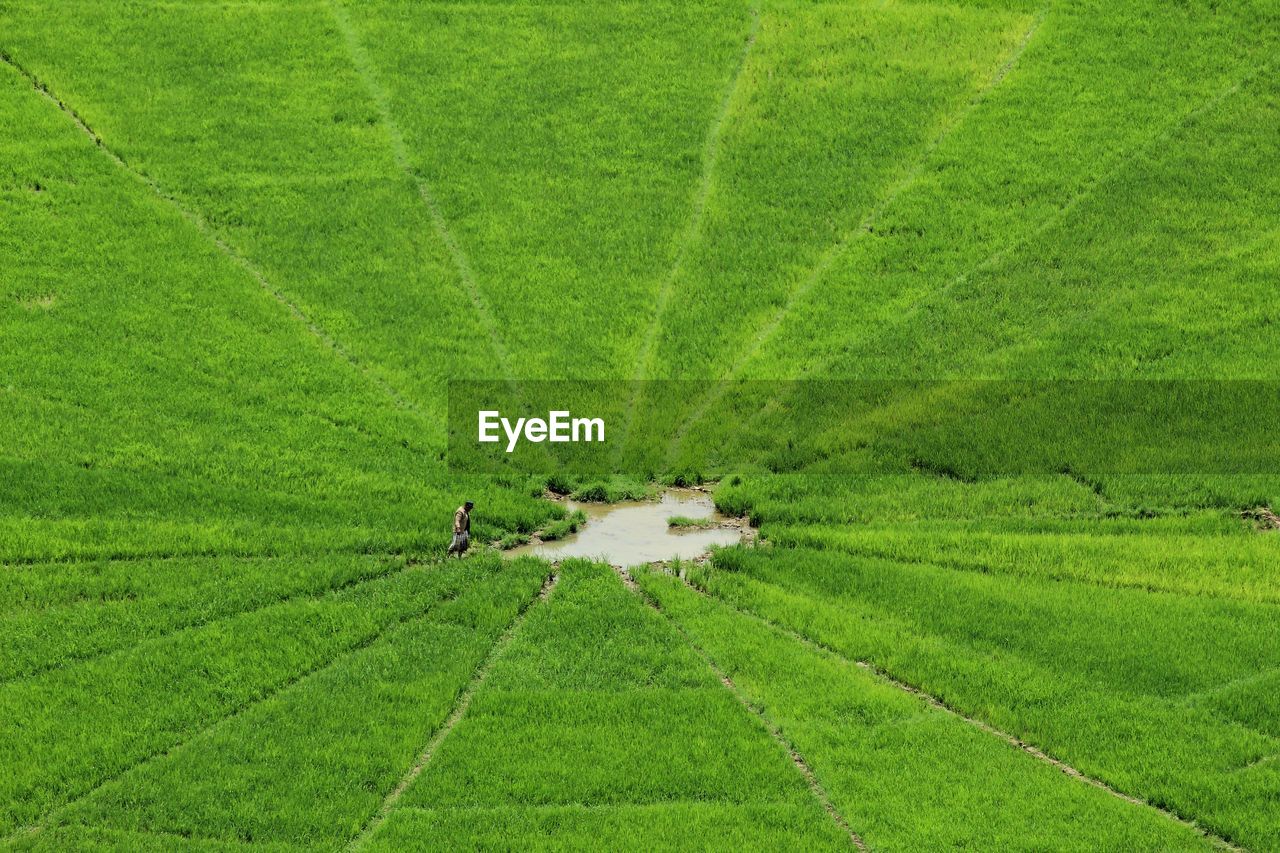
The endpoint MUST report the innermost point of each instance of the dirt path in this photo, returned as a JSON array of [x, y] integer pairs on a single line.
[[455, 716], [936, 703], [819, 792]]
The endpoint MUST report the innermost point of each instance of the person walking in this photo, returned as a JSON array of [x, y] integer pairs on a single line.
[[461, 529]]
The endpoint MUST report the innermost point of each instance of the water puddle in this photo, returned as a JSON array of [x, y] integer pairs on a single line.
[[629, 533]]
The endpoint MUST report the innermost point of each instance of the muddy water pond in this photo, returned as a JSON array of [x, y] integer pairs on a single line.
[[633, 532]]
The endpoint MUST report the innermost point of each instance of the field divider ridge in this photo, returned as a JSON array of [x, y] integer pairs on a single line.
[[1114, 166], [221, 720], [304, 595], [1258, 762], [994, 570], [459, 710], [197, 220], [1242, 681], [200, 554], [400, 154], [829, 256], [888, 678], [802, 766], [171, 557]]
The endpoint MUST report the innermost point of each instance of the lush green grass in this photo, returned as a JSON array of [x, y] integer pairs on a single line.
[[665, 826], [259, 777], [834, 100], [69, 730], [598, 702], [1157, 693], [562, 141], [1086, 207], [1116, 236], [165, 403], [895, 766], [246, 247]]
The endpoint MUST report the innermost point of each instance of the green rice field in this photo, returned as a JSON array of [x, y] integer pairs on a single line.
[[249, 249]]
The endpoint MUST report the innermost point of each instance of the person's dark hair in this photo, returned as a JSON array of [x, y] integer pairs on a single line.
[[468, 504]]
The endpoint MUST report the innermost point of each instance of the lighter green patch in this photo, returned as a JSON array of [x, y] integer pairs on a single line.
[[43, 302]]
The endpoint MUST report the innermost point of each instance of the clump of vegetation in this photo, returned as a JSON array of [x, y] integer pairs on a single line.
[[613, 490], [564, 526], [559, 484], [1263, 518], [595, 493], [683, 521], [684, 478], [511, 540], [732, 497]]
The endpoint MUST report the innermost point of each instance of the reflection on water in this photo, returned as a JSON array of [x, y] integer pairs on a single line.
[[625, 534]]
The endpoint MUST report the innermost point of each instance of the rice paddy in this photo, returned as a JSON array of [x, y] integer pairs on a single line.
[[252, 251]]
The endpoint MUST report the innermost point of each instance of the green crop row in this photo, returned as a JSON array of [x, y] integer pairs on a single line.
[[804, 499], [1237, 564], [1208, 506]]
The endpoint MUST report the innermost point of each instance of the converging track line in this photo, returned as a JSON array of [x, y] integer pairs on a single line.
[[1114, 167], [1117, 166], [400, 153], [905, 181], [702, 194], [410, 554], [828, 258], [951, 564], [815, 787], [197, 221], [222, 719], [886, 677], [198, 623], [455, 716]]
